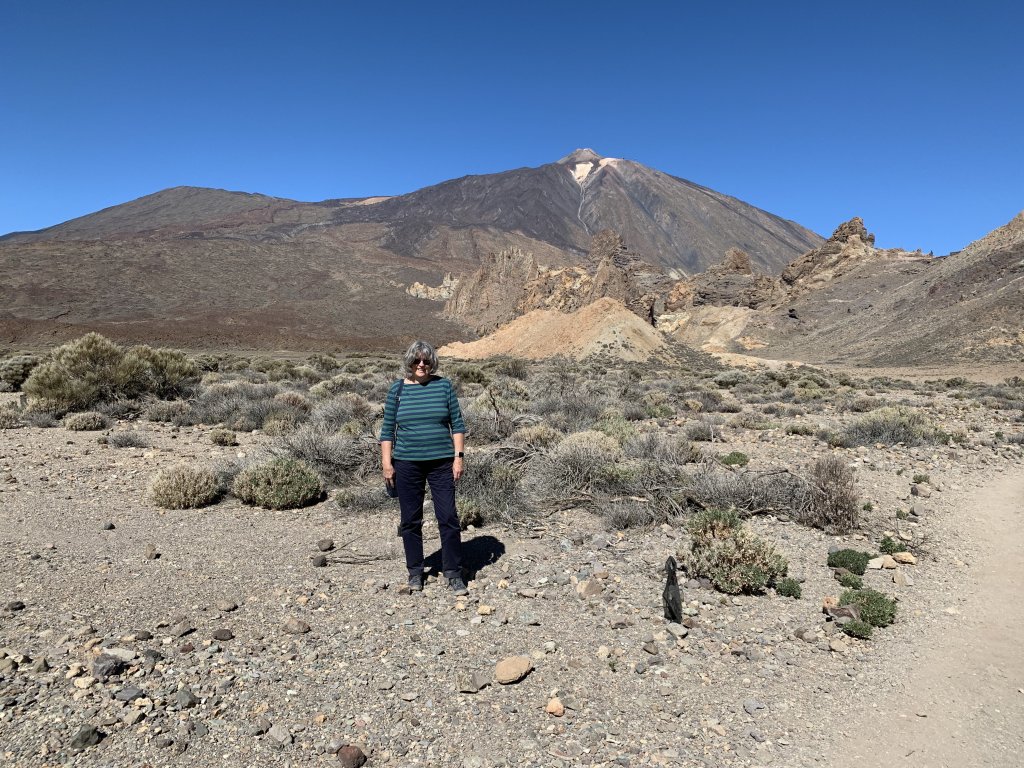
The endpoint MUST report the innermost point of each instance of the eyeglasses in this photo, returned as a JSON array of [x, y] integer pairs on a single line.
[[424, 363]]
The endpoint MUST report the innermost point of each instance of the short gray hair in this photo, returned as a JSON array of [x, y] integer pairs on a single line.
[[419, 350]]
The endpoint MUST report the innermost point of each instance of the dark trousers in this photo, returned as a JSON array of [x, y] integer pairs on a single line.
[[411, 478]]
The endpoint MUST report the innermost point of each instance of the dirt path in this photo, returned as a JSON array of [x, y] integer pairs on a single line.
[[962, 703]]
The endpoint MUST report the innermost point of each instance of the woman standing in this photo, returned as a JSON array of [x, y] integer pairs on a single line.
[[422, 441]]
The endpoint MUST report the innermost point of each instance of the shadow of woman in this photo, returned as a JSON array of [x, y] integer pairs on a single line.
[[477, 553]]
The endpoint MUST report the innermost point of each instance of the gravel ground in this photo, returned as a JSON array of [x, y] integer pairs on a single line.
[[208, 637]]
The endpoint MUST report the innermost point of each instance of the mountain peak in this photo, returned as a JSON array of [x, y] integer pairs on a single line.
[[581, 156]]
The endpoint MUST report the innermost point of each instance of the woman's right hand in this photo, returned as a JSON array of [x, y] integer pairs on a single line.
[[389, 472]]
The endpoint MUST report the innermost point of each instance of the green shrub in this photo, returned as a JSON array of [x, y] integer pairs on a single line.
[[322, 363], [15, 370], [859, 629], [919, 479], [278, 484], [850, 581], [735, 459], [185, 487], [725, 551], [87, 421], [788, 587], [702, 432], [850, 559], [93, 369], [890, 546], [875, 608], [224, 437]]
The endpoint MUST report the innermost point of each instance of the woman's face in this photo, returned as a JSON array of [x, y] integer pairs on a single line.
[[421, 369]]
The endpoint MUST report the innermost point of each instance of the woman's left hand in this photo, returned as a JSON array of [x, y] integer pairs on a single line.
[[457, 468]]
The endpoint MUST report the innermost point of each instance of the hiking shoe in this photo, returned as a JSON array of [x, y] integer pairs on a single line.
[[416, 582], [458, 585]]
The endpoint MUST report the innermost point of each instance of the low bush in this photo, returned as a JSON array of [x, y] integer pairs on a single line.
[[805, 430], [490, 491], [128, 439], [850, 581], [725, 551], [224, 437], [87, 421], [280, 483], [185, 487], [16, 369], [702, 432], [341, 459], [888, 426], [9, 419], [889, 546], [875, 608], [788, 587], [832, 504], [165, 411], [735, 459], [859, 629], [850, 559], [40, 419], [94, 369], [513, 367]]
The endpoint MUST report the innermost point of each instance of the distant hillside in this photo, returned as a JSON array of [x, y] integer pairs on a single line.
[[208, 267]]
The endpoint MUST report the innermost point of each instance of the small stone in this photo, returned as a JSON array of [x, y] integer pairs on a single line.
[[484, 610], [181, 629], [753, 706], [151, 552], [318, 561], [261, 726], [325, 545], [296, 626], [837, 645], [409, 696], [223, 634], [106, 666], [888, 563], [351, 756], [905, 558], [555, 707], [163, 741], [513, 669], [107, 526], [87, 736], [280, 734], [756, 735], [185, 699], [876, 563], [899, 578], [131, 693], [921, 491], [678, 631], [226, 606], [16, 605], [124, 654], [589, 588], [82, 683]]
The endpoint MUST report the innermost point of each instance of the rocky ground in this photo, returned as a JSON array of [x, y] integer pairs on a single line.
[[131, 635]]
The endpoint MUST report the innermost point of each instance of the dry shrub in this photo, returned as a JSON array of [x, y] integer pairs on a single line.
[[581, 464], [832, 503], [535, 437], [9, 419], [889, 425], [87, 421], [128, 439], [341, 459], [280, 483], [490, 491], [16, 369], [294, 399], [166, 411], [185, 486], [224, 437], [734, 558], [661, 447]]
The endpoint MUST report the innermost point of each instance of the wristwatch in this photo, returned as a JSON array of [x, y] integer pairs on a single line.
[[460, 455]]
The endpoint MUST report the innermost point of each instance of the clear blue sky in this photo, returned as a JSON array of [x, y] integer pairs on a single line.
[[907, 114]]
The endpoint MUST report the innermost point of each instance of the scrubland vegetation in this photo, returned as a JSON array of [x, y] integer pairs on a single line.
[[637, 445]]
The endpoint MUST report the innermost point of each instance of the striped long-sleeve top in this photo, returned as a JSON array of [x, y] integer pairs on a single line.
[[422, 422]]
